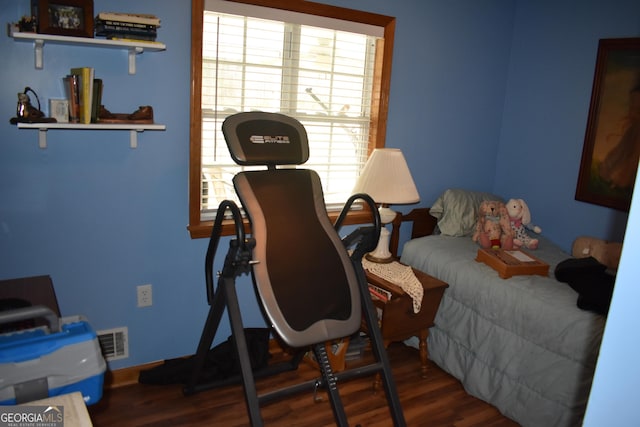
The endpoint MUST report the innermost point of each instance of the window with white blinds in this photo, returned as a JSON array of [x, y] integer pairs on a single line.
[[320, 73]]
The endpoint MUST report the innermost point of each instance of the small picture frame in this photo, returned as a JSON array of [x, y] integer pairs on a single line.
[[64, 17], [59, 110]]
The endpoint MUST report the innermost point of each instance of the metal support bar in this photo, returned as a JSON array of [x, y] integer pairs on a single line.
[[330, 382], [311, 385], [379, 351], [237, 328]]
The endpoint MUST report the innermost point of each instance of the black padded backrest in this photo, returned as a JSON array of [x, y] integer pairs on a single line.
[[304, 277], [258, 138]]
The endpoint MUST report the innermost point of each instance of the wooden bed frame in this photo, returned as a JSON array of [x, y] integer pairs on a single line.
[[423, 224]]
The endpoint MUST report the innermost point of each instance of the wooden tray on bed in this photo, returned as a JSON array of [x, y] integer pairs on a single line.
[[511, 263]]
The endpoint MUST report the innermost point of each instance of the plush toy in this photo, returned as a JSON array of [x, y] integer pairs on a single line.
[[605, 252], [520, 220], [492, 228], [491, 236]]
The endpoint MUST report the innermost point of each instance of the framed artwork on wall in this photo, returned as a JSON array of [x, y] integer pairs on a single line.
[[612, 139], [64, 17]]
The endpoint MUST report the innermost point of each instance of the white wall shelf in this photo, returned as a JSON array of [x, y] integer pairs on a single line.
[[133, 129], [133, 47]]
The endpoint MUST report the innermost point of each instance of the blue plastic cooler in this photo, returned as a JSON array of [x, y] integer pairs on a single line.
[[44, 362]]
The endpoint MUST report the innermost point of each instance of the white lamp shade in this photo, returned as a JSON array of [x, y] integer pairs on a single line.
[[387, 179]]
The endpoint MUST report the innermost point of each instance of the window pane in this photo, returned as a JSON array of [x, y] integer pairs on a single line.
[[320, 76], [264, 42]]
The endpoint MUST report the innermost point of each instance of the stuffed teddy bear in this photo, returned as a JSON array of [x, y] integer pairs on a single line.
[[605, 252], [520, 220], [492, 228], [492, 235]]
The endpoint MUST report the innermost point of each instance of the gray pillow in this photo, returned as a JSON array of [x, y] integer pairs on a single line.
[[457, 210]]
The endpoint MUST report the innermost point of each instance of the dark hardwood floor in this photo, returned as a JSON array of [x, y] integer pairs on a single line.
[[438, 400]]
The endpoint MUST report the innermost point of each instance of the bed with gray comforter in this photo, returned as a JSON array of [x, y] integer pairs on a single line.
[[521, 343]]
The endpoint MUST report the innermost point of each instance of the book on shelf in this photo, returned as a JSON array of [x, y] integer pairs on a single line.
[[134, 39], [85, 84], [136, 18], [97, 99], [102, 30], [106, 30], [72, 92], [130, 25]]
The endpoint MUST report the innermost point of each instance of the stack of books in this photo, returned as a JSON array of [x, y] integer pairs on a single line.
[[127, 26]]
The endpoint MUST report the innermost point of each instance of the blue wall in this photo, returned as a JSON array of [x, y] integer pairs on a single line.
[[98, 216], [489, 95], [101, 218], [545, 112]]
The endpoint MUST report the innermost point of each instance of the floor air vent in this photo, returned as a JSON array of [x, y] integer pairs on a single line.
[[114, 343]]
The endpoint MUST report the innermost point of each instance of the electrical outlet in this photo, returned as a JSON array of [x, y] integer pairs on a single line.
[[145, 295]]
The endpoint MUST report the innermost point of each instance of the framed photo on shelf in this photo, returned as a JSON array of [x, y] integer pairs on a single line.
[[612, 140], [64, 17]]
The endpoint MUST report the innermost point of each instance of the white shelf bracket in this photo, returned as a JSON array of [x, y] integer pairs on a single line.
[[133, 137], [42, 138], [132, 58], [37, 51]]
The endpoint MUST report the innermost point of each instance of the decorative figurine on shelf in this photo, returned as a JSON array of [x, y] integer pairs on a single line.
[[28, 24], [27, 113]]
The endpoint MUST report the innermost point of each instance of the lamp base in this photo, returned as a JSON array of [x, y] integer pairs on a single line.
[[372, 258], [381, 253]]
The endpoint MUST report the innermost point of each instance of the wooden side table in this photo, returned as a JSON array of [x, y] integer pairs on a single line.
[[397, 319]]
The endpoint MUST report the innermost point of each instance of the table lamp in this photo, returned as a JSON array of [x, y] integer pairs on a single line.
[[387, 179]]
